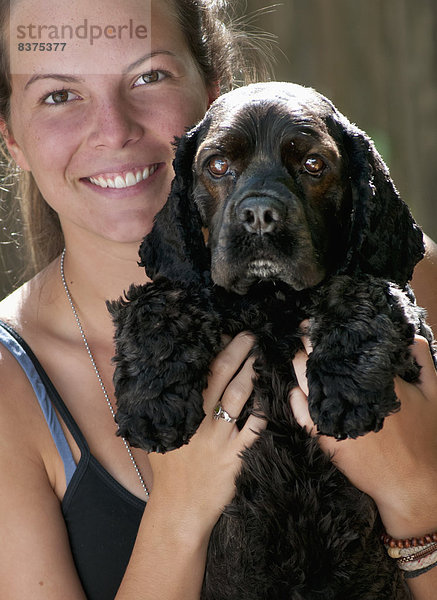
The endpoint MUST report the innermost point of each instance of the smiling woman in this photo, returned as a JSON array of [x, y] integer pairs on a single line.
[[78, 119], [91, 123], [217, 55], [91, 127]]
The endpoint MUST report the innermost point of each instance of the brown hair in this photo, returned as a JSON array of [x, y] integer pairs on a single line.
[[225, 55]]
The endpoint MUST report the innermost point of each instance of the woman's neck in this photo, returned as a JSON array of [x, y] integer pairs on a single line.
[[106, 271], [103, 274], [93, 274]]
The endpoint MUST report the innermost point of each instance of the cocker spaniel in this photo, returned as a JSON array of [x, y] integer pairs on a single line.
[[281, 210]]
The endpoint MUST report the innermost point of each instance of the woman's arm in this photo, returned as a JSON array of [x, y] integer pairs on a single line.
[[397, 466], [35, 558], [424, 282], [191, 486]]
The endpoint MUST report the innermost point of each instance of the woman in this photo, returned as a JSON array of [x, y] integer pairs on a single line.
[[76, 130], [97, 141]]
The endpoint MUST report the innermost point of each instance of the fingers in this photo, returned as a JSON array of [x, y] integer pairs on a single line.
[[238, 390], [300, 365], [299, 406], [253, 426], [223, 370], [298, 395], [233, 400], [231, 383]]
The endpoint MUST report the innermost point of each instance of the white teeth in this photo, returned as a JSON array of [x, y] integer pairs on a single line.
[[130, 179], [120, 182]]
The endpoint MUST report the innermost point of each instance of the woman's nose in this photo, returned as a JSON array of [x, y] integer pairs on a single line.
[[114, 124]]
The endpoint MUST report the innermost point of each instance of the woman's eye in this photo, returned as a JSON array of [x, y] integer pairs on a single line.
[[314, 165], [151, 77], [60, 97], [218, 166]]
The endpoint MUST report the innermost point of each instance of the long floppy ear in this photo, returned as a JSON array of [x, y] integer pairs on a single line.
[[384, 239], [175, 247]]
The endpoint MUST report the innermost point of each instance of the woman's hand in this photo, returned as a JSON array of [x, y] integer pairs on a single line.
[[397, 466], [192, 485], [198, 479]]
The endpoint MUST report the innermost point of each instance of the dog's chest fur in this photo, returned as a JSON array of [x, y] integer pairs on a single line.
[[296, 529]]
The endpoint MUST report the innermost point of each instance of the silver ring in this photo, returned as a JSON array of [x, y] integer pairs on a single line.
[[220, 413]]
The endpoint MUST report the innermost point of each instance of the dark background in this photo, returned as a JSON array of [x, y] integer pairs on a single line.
[[377, 61]]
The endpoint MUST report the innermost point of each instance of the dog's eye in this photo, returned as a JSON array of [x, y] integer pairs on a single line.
[[314, 165], [218, 166]]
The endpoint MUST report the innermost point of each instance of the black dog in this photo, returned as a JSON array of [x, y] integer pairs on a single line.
[[303, 222]]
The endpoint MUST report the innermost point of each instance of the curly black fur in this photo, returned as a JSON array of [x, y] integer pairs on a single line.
[[336, 247]]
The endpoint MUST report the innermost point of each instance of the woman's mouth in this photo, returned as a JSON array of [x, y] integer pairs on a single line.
[[125, 179]]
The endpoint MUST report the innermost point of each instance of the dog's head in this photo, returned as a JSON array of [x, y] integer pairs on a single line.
[[282, 187]]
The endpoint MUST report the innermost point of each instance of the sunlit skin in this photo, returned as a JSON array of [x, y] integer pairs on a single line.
[[118, 114], [96, 116], [106, 115]]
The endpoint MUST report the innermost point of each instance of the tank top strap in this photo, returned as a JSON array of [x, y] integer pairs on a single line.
[[48, 398]]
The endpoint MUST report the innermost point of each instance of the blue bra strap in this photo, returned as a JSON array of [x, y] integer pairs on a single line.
[[45, 403]]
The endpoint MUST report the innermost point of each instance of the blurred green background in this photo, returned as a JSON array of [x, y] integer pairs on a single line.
[[377, 61]]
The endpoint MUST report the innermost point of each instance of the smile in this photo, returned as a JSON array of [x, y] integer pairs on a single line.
[[123, 180]]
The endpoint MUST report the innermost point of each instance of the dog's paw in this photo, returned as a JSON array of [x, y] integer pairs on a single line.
[[162, 424], [347, 399], [165, 340], [361, 337]]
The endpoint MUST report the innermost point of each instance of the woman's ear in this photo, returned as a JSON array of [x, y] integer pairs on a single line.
[[13, 146]]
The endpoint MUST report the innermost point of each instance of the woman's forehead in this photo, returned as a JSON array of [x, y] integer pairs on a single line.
[[101, 37]]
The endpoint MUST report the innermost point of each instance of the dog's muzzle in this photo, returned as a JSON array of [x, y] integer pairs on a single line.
[[260, 214]]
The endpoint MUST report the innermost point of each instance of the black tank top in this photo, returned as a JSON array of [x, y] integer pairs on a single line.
[[101, 516]]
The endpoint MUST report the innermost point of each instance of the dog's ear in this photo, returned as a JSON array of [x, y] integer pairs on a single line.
[[384, 239], [175, 247]]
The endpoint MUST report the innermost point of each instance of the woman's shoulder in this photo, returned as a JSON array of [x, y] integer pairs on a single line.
[[19, 311], [12, 313], [24, 426], [19, 306], [31, 308]]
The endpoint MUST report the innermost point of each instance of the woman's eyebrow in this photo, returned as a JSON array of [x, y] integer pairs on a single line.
[[64, 78], [145, 57], [72, 79]]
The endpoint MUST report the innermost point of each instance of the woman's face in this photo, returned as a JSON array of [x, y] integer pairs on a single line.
[[95, 123]]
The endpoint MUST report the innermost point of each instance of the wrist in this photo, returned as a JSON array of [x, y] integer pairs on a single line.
[[168, 558], [402, 521], [404, 525], [409, 510], [180, 524]]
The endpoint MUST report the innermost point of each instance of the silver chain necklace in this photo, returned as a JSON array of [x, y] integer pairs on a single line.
[[96, 370]]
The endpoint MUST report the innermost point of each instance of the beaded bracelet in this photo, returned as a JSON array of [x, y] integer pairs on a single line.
[[411, 553], [414, 556], [409, 542]]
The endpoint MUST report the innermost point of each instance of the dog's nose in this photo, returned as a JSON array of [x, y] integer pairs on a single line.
[[260, 214]]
